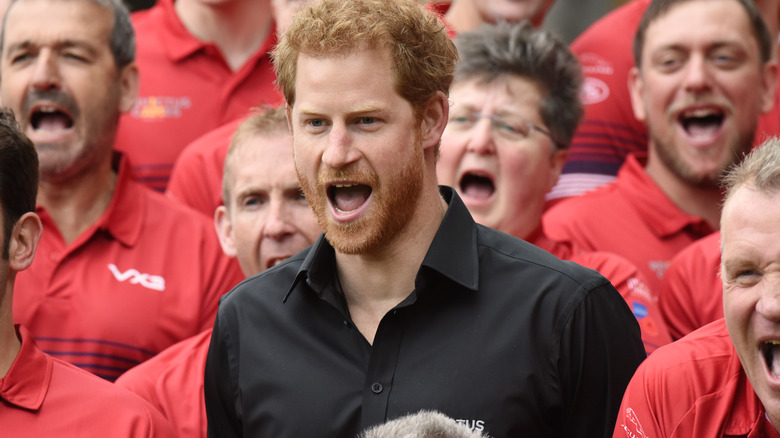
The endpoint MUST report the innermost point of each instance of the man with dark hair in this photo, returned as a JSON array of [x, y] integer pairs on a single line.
[[609, 132], [704, 75], [405, 303], [42, 396], [127, 272]]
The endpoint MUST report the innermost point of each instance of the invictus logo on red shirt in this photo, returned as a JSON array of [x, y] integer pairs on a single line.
[[160, 107], [154, 282], [632, 429]]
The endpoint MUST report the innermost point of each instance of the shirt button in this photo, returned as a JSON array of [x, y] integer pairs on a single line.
[[376, 387]]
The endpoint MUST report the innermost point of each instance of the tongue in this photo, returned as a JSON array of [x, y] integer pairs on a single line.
[[701, 128], [53, 122], [350, 198], [480, 189]]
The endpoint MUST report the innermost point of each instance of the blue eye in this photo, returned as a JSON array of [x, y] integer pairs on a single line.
[[316, 123], [367, 120]]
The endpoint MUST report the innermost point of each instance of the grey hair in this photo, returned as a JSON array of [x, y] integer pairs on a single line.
[[760, 170], [501, 49], [423, 424], [122, 39]]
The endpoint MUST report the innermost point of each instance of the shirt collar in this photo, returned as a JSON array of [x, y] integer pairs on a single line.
[[179, 43], [126, 212], [453, 252], [27, 382], [124, 217], [174, 37], [660, 213]]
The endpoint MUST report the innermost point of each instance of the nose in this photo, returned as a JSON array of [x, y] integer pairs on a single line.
[[46, 74], [481, 138], [278, 225], [697, 75], [768, 304], [340, 150]]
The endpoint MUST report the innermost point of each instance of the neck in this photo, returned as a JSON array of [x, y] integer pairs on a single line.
[[695, 201], [9, 343], [375, 283], [238, 28], [76, 204], [463, 16]]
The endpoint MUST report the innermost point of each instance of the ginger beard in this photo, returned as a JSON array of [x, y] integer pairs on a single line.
[[393, 202]]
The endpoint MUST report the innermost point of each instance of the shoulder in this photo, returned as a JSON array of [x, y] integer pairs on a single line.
[[266, 288], [498, 250], [187, 354], [106, 407], [704, 357]]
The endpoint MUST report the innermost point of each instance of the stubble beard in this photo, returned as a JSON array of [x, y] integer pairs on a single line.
[[671, 159], [394, 202]]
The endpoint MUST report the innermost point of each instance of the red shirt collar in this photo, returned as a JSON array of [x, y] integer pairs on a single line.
[[27, 382], [124, 217], [660, 213], [179, 43]]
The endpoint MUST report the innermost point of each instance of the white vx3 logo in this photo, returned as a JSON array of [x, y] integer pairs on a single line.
[[148, 281]]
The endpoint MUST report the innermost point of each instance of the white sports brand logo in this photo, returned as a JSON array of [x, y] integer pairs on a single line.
[[154, 282]]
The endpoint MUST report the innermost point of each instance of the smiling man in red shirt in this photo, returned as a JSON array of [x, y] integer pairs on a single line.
[[702, 80]]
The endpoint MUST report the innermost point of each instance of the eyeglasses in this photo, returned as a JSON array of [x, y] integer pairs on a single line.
[[508, 129]]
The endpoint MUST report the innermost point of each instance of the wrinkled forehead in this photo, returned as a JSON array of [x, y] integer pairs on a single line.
[[47, 21]]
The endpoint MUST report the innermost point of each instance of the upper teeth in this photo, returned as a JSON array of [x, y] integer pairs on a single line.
[[701, 112], [773, 342], [343, 185], [47, 109]]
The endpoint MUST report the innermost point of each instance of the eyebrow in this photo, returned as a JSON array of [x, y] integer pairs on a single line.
[[58, 45]]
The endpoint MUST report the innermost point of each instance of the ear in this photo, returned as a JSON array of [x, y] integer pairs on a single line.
[[769, 85], [224, 231], [24, 240], [556, 166], [636, 89], [434, 120], [128, 83]]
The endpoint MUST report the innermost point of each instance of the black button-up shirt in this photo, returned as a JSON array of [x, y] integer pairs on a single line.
[[497, 334]]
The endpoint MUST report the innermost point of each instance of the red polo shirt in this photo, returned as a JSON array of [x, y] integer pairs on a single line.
[[172, 382], [609, 132], [627, 280], [694, 387], [196, 179], [186, 90], [691, 293], [632, 218], [41, 396], [146, 275]]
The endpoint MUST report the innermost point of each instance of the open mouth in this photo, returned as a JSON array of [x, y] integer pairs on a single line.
[[50, 119], [771, 352], [702, 123], [348, 197], [477, 186]]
